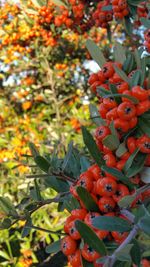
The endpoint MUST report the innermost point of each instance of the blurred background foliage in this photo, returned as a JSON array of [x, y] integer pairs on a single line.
[[44, 97]]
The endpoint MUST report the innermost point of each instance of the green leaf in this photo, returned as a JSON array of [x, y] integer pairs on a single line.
[[124, 253], [130, 160], [37, 191], [55, 183], [132, 98], [114, 91], [42, 163], [128, 65], [136, 253], [126, 201], [5, 223], [144, 224], [145, 175], [34, 150], [87, 199], [84, 164], [134, 2], [27, 228], [113, 224], [90, 237], [122, 74], [119, 175], [111, 142], [95, 52], [136, 78], [102, 91], [144, 126], [67, 156], [121, 150], [128, 26], [95, 116], [71, 204], [137, 58], [7, 206], [54, 247], [119, 53], [137, 165], [92, 147], [145, 22]]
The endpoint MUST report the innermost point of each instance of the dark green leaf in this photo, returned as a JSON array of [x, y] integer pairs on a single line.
[[54, 247], [119, 53], [95, 52], [37, 191], [134, 2], [42, 163], [7, 206], [71, 204], [5, 223], [137, 165], [128, 65], [144, 224], [57, 184], [90, 237], [92, 147], [84, 164], [102, 91], [136, 253], [144, 126], [119, 175], [128, 26], [113, 224], [111, 142], [136, 78], [87, 199], [130, 160], [95, 116], [27, 228], [114, 91], [121, 150], [67, 156], [137, 58], [86, 263]]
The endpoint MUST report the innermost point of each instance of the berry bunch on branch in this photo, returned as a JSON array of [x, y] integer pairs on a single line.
[[107, 190]]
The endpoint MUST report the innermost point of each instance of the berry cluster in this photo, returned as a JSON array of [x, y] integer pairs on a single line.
[[125, 114], [120, 8], [142, 10], [104, 187], [102, 17]]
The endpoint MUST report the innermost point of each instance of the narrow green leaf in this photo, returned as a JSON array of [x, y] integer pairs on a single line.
[[42, 163], [132, 98], [129, 63], [5, 223], [90, 237], [102, 91], [95, 52], [126, 201], [130, 160], [114, 91], [7, 206], [92, 147], [53, 247], [137, 58], [111, 142], [144, 224], [113, 224], [67, 156], [71, 204], [121, 150], [144, 126], [95, 116], [27, 228], [128, 26], [119, 175], [137, 165], [84, 164], [136, 78], [136, 253], [87, 199], [122, 74], [37, 190], [119, 53]]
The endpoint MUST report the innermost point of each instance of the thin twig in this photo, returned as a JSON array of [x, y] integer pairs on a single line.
[[45, 230]]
